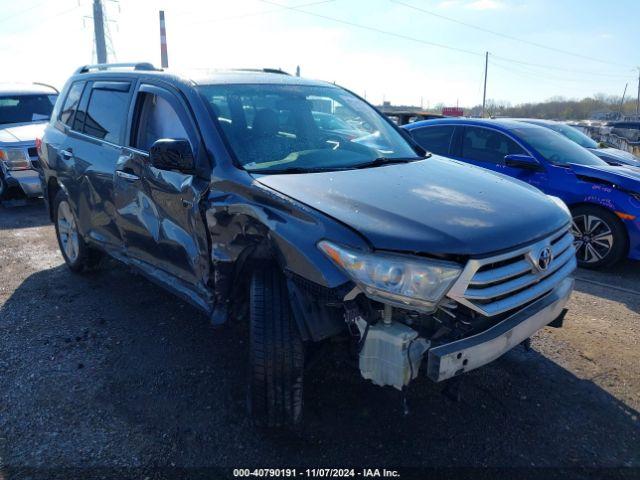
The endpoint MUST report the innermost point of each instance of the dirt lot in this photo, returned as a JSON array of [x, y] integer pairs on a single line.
[[107, 370]]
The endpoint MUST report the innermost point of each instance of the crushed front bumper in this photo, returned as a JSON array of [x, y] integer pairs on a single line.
[[27, 180], [449, 360]]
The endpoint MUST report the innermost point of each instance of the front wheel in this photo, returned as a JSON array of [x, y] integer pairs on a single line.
[[600, 237], [4, 187], [276, 363]]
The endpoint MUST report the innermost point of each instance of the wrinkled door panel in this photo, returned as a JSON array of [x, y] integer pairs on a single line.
[[158, 211]]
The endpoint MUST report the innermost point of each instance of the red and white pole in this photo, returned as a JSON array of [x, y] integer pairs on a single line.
[[164, 58]]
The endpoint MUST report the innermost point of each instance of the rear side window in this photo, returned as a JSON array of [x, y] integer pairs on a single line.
[[71, 103], [484, 145], [106, 115], [434, 139]]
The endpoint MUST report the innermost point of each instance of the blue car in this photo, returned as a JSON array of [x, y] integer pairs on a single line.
[[604, 199]]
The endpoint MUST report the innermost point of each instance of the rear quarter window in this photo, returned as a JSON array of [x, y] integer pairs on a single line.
[[71, 102]]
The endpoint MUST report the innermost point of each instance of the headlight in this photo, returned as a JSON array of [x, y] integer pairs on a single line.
[[560, 203], [394, 279], [15, 158]]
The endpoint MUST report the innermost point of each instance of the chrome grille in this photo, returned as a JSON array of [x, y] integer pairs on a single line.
[[497, 284]]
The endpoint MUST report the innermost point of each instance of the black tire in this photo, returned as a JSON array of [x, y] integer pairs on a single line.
[[276, 354], [600, 237], [87, 258], [4, 188]]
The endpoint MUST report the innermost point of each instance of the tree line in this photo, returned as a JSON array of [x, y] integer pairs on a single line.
[[560, 108]]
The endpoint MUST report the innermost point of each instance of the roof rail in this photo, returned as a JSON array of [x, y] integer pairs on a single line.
[[264, 70], [146, 66], [47, 85]]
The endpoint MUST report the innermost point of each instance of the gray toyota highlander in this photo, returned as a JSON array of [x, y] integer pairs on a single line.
[[296, 205]]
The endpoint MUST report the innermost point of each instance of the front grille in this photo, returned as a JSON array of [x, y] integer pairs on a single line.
[[498, 284]]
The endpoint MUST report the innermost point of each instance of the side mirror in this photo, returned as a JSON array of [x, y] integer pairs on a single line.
[[172, 154], [525, 162]]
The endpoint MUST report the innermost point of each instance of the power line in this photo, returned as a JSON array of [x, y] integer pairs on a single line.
[[26, 10], [504, 35], [434, 44], [525, 70], [373, 29], [256, 14], [563, 69]]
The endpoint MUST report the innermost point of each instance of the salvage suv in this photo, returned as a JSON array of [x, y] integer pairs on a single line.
[[227, 191], [24, 111]]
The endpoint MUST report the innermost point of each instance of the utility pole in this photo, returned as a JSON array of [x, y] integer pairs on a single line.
[[164, 57], [98, 28], [622, 101], [484, 95]]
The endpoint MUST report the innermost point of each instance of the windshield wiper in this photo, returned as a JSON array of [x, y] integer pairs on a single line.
[[388, 161], [297, 170]]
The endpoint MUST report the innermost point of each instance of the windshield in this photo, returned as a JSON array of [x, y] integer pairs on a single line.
[[302, 128], [26, 108], [556, 148], [572, 134]]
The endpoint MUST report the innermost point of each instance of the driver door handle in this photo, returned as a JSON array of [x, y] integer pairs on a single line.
[[127, 176]]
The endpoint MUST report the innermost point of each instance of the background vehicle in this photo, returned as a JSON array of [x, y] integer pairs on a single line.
[[604, 199], [613, 156], [318, 234], [24, 111]]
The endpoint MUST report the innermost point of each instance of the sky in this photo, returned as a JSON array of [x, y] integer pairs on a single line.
[[402, 51]]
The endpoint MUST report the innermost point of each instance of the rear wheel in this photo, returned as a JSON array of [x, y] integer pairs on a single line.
[[76, 253], [276, 363], [600, 236]]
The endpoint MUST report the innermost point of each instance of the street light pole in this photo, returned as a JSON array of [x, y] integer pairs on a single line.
[[484, 95]]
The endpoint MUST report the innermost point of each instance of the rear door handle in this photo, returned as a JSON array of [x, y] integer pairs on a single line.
[[66, 154], [127, 176]]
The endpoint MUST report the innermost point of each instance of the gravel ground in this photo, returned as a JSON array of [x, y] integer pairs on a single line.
[[108, 371]]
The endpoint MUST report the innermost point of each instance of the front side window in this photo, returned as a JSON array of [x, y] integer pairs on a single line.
[[106, 115], [274, 128], [71, 102], [157, 119], [485, 145], [434, 139], [556, 148]]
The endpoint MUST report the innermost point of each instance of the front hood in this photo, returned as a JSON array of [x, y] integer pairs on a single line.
[[616, 155], [435, 206], [22, 133], [625, 177]]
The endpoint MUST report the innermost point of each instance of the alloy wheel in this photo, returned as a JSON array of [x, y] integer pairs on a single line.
[[593, 238], [68, 232]]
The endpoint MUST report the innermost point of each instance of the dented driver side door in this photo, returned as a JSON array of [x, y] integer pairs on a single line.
[[158, 210]]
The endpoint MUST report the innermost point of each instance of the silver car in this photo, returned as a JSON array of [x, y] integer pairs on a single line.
[[24, 112]]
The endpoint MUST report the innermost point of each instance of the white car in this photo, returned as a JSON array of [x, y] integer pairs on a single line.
[[24, 112]]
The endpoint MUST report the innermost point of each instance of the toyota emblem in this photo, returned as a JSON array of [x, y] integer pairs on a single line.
[[544, 259]]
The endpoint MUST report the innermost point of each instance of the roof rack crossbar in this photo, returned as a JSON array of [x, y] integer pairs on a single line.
[[146, 66]]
